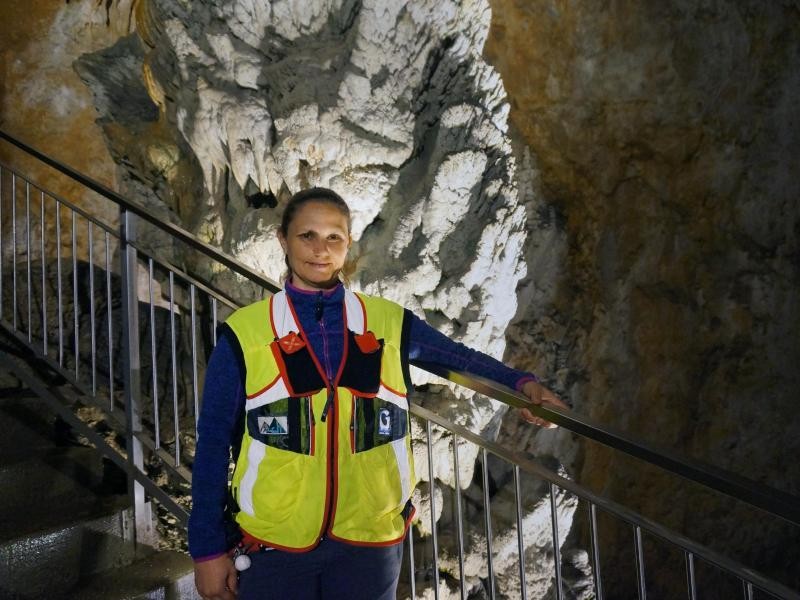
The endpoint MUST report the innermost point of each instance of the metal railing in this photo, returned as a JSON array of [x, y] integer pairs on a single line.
[[131, 331]]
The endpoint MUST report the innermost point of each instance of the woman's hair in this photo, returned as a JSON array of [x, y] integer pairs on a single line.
[[315, 194], [318, 194]]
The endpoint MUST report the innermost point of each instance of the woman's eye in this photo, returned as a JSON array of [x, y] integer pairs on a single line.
[[306, 235]]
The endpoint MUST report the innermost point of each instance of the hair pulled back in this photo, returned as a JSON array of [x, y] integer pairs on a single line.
[[324, 195], [315, 194]]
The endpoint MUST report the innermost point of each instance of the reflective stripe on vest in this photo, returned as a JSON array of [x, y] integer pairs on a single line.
[[297, 477]]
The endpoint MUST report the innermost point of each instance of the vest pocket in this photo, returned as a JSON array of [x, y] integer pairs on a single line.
[[287, 424], [376, 422]]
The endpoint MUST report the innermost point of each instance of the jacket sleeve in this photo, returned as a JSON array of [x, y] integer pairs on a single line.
[[223, 405], [430, 345]]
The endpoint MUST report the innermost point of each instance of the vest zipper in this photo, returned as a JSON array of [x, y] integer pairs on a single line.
[[332, 462], [327, 358], [329, 406]]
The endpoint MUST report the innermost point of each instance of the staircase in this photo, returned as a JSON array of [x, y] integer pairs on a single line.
[[66, 527], [93, 318]]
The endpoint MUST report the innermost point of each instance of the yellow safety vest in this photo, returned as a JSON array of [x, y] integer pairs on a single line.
[[318, 457]]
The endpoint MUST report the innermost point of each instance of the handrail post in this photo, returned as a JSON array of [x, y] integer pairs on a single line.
[[144, 531]]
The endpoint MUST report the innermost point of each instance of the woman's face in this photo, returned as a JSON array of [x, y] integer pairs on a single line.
[[316, 244]]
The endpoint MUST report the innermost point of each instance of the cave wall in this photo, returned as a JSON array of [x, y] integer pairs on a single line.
[[665, 137], [636, 189], [42, 99]]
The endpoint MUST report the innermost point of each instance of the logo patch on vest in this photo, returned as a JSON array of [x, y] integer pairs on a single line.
[[272, 425], [291, 342], [384, 422]]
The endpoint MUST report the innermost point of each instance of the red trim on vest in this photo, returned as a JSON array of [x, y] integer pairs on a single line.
[[271, 318], [352, 427], [251, 540], [393, 391], [311, 353], [313, 424], [276, 352], [334, 458], [393, 542], [265, 388]]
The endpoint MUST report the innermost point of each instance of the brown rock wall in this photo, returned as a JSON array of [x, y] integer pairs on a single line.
[[42, 100], [665, 137]]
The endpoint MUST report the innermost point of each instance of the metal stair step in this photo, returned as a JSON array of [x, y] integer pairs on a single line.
[[49, 472], [50, 560], [165, 575], [26, 427]]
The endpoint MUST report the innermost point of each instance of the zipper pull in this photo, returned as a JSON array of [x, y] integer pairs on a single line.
[[318, 307], [328, 404]]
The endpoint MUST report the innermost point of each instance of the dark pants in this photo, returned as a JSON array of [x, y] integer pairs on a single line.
[[332, 571]]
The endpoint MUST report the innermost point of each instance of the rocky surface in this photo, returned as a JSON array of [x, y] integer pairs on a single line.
[[664, 137], [216, 112], [42, 100], [390, 104], [636, 190]]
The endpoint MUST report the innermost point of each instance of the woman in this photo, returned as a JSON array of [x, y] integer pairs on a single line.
[[314, 379]]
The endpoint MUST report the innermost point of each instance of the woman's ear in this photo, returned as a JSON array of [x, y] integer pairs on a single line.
[[282, 240]]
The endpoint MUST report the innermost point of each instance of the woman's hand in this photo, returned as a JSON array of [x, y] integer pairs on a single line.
[[540, 395], [216, 578]]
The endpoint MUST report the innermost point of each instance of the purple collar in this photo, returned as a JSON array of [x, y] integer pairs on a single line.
[[296, 293]]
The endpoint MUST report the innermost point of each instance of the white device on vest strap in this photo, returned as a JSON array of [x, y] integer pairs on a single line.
[[242, 562]]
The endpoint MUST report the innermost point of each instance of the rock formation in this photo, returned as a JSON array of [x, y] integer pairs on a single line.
[[636, 191], [664, 137]]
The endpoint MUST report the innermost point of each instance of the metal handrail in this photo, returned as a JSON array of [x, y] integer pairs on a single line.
[[174, 230], [531, 466], [761, 496], [769, 499]]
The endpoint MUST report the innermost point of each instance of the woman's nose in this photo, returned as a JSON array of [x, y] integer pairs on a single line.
[[318, 246]]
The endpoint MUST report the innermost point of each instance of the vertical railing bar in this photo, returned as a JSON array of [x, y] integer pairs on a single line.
[[59, 289], [14, 248], [92, 306], [520, 541], [598, 581], [637, 532], [459, 522], [110, 325], [556, 542], [154, 378], [28, 257], [175, 415], [690, 577], [214, 320], [76, 331], [748, 589], [132, 373], [43, 249], [412, 580], [434, 537], [487, 518], [1, 243], [193, 320]]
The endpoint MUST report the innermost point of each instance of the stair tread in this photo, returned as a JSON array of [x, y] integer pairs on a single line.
[[56, 513], [148, 577]]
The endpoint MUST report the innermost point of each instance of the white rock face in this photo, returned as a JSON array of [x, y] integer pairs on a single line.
[[391, 104]]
